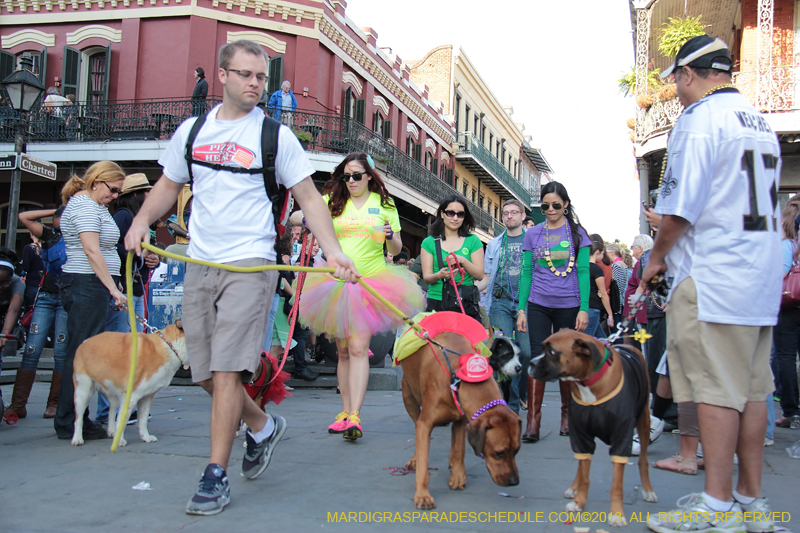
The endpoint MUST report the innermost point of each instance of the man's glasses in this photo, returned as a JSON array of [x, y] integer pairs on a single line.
[[246, 75], [455, 214], [557, 206], [511, 213], [355, 175], [113, 190]]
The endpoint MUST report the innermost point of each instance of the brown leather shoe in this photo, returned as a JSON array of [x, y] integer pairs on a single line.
[[535, 397], [52, 399], [564, 388]]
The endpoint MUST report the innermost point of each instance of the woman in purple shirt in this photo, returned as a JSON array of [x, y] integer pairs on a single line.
[[554, 290]]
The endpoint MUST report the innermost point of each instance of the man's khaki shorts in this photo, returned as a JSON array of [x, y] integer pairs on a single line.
[[225, 317], [717, 364]]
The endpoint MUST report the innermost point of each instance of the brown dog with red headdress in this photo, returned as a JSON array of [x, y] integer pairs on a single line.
[[610, 394], [475, 407]]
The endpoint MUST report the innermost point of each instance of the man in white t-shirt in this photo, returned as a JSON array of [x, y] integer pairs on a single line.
[[225, 313], [720, 241]]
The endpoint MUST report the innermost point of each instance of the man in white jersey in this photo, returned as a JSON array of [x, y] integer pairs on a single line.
[[719, 240], [225, 313]]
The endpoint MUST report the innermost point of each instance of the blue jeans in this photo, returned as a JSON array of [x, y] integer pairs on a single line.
[[770, 416], [85, 300], [595, 329], [276, 300], [118, 320], [48, 310], [503, 316]]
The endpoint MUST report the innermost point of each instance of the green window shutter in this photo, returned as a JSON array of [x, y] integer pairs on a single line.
[[387, 129], [275, 74], [449, 177], [43, 67], [108, 74], [435, 165], [71, 71], [417, 153], [361, 110], [348, 103], [8, 63]]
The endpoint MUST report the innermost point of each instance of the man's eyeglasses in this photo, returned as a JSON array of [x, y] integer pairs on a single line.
[[557, 206], [246, 75], [455, 214], [511, 213], [355, 175], [113, 190]]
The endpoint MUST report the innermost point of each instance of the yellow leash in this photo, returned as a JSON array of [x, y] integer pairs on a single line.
[[159, 251]]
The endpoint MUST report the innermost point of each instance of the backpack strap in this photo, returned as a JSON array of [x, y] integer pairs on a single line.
[[190, 143], [439, 256]]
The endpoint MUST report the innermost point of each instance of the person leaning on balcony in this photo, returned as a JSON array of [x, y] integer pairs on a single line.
[[453, 225], [200, 92], [47, 312], [282, 103], [554, 290], [91, 276], [364, 217]]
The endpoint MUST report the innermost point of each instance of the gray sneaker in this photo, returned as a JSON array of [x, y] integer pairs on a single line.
[[257, 457], [214, 492]]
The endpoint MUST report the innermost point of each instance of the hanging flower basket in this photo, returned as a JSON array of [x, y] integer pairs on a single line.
[[644, 101], [667, 92], [631, 123]]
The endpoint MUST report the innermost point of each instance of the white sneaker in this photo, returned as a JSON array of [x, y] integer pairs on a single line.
[[636, 449], [656, 428], [694, 514], [699, 450], [768, 441], [759, 509]]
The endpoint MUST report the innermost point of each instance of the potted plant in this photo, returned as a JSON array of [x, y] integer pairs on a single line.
[[304, 137], [627, 85], [676, 31], [381, 162]]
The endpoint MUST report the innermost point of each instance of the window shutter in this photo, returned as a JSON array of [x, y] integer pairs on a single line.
[[449, 177], [435, 165], [8, 63], [71, 71], [417, 152], [275, 74], [108, 74], [361, 110], [409, 146], [387, 129], [43, 67], [348, 102]]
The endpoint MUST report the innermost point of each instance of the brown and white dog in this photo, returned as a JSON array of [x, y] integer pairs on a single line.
[[102, 363], [610, 394], [495, 433]]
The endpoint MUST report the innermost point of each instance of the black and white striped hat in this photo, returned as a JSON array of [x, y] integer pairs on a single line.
[[702, 52]]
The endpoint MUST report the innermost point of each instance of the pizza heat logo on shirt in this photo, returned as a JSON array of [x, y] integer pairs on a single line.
[[222, 153]]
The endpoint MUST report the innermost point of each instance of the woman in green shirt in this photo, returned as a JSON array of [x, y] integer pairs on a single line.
[[453, 225]]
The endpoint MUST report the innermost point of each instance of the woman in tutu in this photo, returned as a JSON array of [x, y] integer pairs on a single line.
[[364, 217]]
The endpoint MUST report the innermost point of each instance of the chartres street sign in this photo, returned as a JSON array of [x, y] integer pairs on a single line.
[[39, 167], [8, 161]]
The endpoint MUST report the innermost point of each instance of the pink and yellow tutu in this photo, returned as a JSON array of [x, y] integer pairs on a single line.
[[342, 310]]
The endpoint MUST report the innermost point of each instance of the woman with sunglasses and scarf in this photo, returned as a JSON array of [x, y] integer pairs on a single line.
[[554, 290], [453, 229], [364, 217], [90, 278]]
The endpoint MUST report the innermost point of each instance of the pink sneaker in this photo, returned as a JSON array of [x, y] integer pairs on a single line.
[[340, 424], [353, 430]]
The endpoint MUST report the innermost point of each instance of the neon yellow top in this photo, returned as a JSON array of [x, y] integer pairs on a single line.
[[360, 232]]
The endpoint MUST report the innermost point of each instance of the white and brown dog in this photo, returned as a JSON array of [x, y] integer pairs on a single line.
[[610, 391], [102, 363]]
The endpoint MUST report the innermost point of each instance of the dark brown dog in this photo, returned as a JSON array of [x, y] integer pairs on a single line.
[[429, 402], [607, 402]]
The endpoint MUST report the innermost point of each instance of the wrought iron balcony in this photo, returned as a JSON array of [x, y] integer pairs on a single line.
[[158, 119], [780, 96], [479, 160]]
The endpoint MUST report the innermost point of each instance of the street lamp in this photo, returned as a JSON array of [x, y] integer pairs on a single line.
[[23, 89]]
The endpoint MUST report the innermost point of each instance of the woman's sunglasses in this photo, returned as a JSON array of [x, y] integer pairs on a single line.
[[557, 206], [356, 176], [455, 214]]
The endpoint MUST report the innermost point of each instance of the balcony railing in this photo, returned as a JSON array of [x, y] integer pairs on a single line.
[[469, 144], [782, 96], [116, 121]]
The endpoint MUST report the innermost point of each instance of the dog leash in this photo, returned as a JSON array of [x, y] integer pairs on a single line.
[[656, 285], [452, 273], [152, 329]]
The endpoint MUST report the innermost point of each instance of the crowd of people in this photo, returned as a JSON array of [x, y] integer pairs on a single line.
[[707, 345]]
